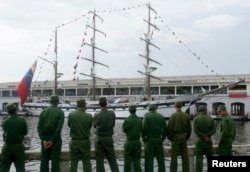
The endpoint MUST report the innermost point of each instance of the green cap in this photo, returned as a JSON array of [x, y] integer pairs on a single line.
[[80, 102], [202, 108], [178, 104], [54, 98], [152, 107], [132, 107], [10, 107], [221, 108], [102, 100]]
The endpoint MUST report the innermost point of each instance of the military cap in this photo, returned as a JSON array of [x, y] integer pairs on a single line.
[[177, 104], [102, 100], [80, 102], [221, 108], [202, 108], [54, 98], [152, 107], [131, 107], [10, 107]]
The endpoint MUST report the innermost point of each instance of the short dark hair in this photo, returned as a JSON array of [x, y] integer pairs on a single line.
[[12, 111], [132, 111], [103, 104]]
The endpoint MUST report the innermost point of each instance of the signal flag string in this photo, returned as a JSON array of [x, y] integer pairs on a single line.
[[188, 49]]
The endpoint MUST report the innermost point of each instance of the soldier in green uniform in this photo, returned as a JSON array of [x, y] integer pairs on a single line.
[[132, 127], [80, 124], [49, 128], [153, 134], [178, 132], [227, 132], [204, 128], [13, 150], [104, 122]]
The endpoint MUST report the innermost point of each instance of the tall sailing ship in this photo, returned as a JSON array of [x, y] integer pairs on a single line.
[[163, 91]]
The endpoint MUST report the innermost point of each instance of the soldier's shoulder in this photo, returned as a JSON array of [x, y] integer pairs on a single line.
[[5, 119], [111, 111], [89, 114]]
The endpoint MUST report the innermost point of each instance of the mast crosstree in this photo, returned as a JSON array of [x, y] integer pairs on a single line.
[[94, 48], [148, 43]]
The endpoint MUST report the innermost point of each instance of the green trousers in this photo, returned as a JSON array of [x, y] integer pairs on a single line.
[[13, 153], [52, 154], [225, 147], [104, 147], [132, 154], [80, 150], [202, 148], [154, 148], [179, 147]]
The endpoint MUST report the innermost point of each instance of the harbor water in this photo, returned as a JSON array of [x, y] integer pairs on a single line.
[[32, 141]]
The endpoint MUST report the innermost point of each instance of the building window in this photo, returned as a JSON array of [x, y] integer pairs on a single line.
[[108, 91], [37, 93], [222, 91], [70, 92], [6, 93], [60, 92], [154, 90], [82, 92], [47, 92], [122, 91], [200, 89], [136, 91], [97, 92], [167, 90], [14, 93], [184, 90]]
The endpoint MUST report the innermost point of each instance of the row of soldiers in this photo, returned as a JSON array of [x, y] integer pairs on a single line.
[[152, 129]]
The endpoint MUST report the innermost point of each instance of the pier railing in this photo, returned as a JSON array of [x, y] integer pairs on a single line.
[[238, 150]]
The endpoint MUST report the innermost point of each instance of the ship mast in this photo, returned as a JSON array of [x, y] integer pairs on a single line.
[[148, 43], [93, 46], [55, 63]]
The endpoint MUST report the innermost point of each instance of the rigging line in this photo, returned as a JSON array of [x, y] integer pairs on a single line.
[[53, 32], [74, 20], [79, 52], [176, 64], [110, 11], [122, 9], [189, 50]]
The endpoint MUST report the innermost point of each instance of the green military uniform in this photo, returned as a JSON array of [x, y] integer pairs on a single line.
[[204, 128], [49, 128], [104, 122], [153, 134], [80, 124], [132, 127], [14, 130], [178, 132], [227, 134]]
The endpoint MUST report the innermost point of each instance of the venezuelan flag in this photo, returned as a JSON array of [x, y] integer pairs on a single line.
[[24, 85], [237, 93]]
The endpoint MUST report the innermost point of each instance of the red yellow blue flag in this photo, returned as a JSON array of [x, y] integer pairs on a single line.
[[24, 85]]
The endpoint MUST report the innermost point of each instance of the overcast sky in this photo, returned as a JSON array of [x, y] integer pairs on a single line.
[[195, 37]]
